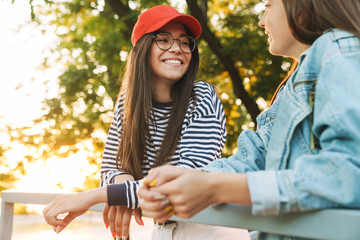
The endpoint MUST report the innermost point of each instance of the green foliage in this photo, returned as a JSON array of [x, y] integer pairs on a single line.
[[241, 37]]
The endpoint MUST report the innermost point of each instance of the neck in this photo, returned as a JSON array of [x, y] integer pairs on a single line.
[[299, 50], [161, 93]]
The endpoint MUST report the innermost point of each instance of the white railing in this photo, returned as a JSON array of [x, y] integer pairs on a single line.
[[323, 224]]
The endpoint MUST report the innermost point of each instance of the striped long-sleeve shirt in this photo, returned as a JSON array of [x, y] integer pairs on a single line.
[[203, 136]]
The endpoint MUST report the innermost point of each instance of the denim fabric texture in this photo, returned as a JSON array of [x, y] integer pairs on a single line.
[[284, 173]]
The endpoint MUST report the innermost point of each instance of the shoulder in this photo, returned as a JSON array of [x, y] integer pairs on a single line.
[[336, 37], [205, 95], [335, 43], [206, 102], [337, 48], [334, 46], [204, 90]]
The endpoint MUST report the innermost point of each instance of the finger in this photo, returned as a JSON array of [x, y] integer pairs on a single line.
[[50, 219], [168, 188], [61, 222], [158, 216], [60, 225], [155, 210], [59, 228], [149, 194], [51, 216], [155, 203], [106, 216], [137, 215], [118, 220], [163, 174], [46, 209], [67, 220], [126, 223], [112, 215]]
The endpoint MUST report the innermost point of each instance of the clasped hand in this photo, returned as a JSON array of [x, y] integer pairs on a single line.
[[170, 190]]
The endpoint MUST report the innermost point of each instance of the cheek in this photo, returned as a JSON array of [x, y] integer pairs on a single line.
[[188, 60], [154, 52]]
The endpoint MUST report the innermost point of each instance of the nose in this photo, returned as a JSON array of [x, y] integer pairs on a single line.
[[261, 22], [176, 46]]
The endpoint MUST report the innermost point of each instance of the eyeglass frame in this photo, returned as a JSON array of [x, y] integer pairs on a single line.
[[173, 40]]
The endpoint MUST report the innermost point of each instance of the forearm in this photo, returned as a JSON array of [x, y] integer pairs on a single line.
[[96, 195], [229, 188]]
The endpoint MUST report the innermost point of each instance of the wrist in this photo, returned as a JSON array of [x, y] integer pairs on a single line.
[[214, 187], [123, 177], [230, 188], [96, 195]]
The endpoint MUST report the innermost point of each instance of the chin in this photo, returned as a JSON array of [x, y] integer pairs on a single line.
[[274, 52]]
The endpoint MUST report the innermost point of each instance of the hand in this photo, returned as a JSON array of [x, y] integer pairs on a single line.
[[118, 218], [154, 204], [73, 204], [189, 191]]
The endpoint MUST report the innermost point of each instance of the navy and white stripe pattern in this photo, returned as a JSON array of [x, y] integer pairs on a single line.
[[202, 139]]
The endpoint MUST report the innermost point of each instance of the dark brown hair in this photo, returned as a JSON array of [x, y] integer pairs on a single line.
[[137, 115], [308, 19]]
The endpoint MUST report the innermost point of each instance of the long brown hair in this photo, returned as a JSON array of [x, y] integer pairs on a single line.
[[309, 19], [137, 115]]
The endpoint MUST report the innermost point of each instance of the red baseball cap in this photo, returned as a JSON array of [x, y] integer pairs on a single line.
[[156, 17]]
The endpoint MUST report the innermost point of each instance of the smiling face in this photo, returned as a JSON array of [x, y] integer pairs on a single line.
[[281, 40], [169, 66]]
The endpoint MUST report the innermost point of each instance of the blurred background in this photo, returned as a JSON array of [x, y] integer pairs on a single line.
[[61, 64]]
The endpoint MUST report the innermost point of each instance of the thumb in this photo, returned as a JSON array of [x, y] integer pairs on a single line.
[[60, 225]]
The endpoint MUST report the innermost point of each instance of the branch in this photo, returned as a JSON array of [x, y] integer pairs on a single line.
[[216, 47], [123, 10]]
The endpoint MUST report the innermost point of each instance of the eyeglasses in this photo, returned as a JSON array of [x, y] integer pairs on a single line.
[[165, 41]]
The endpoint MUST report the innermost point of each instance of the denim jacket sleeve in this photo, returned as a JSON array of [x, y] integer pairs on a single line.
[[248, 148]]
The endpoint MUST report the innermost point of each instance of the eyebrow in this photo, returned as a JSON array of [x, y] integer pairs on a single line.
[[181, 35]]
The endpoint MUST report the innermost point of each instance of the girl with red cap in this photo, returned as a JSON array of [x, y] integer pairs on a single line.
[[162, 117]]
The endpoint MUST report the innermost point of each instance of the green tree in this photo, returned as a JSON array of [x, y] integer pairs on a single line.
[[94, 40]]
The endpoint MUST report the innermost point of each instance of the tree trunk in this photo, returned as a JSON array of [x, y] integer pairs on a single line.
[[215, 46]]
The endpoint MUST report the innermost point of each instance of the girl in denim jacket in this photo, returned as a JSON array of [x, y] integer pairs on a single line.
[[305, 154]]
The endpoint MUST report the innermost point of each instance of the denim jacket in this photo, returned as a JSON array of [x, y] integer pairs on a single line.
[[284, 173]]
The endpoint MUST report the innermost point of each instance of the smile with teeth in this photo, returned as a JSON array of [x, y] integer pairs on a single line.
[[173, 61], [269, 35]]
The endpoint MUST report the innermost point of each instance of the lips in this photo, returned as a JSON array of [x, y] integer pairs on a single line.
[[269, 35]]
